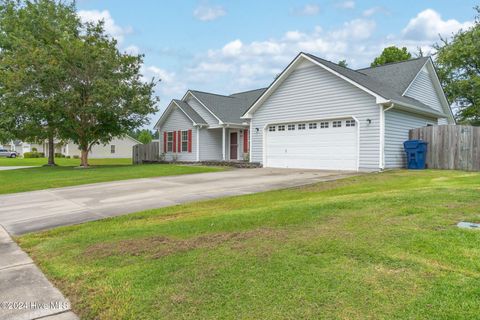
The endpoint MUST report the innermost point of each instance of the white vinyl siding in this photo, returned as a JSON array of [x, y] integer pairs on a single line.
[[312, 93], [442, 121], [123, 149], [423, 90], [175, 121], [210, 144], [200, 109], [397, 126]]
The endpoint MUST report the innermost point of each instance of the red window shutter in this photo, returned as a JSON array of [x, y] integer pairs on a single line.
[[190, 141], [164, 142], [179, 141], [245, 141], [174, 141]]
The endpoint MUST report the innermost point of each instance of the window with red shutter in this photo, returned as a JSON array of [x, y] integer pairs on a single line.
[[190, 141], [165, 142], [245, 141], [179, 141], [174, 142]]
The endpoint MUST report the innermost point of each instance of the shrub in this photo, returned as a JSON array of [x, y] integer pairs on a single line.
[[34, 150], [59, 155], [32, 155], [76, 157]]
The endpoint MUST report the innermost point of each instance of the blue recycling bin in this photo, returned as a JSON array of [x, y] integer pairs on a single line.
[[416, 151]]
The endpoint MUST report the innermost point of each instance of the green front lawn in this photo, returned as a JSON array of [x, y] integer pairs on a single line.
[[378, 246], [66, 174], [8, 162]]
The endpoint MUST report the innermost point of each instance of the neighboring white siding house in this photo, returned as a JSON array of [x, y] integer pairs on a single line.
[[315, 115], [117, 148]]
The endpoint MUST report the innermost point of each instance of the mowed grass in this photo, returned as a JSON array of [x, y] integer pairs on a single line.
[[67, 173], [10, 162], [377, 246]]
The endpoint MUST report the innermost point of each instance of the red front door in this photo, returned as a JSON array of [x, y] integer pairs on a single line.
[[233, 146]]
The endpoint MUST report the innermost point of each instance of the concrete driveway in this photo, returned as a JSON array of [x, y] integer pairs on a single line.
[[38, 210], [4, 168]]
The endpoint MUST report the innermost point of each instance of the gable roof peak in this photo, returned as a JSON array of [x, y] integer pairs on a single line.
[[419, 59]]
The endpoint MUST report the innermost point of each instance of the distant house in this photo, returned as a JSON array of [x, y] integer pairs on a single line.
[[315, 115], [117, 148]]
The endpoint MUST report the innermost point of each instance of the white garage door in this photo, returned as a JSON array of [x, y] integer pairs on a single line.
[[329, 145]]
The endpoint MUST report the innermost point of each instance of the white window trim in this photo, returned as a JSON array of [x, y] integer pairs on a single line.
[[168, 142], [182, 141]]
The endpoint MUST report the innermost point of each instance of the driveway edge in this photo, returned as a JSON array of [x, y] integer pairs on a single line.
[[25, 292]]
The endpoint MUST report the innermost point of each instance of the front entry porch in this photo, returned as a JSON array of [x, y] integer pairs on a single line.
[[234, 144]]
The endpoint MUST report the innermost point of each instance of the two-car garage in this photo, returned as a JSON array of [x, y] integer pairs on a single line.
[[329, 144]]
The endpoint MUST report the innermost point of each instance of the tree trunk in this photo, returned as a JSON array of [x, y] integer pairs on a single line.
[[84, 158], [51, 150]]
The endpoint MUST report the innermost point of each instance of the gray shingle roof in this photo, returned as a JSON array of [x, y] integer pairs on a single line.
[[230, 108], [190, 112], [383, 80], [404, 73]]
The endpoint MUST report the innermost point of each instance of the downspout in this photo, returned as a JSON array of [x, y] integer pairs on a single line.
[[382, 134], [223, 143], [250, 132]]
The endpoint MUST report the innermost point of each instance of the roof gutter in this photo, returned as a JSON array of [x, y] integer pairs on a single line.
[[415, 109], [391, 107]]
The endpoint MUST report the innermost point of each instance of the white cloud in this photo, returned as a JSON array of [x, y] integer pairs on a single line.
[[373, 11], [349, 4], [310, 9], [239, 65], [209, 13], [244, 65], [233, 48], [357, 29], [294, 35], [132, 49], [169, 86], [428, 25], [111, 27]]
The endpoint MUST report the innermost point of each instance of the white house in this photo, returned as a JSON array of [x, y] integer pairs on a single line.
[[315, 115], [117, 148]]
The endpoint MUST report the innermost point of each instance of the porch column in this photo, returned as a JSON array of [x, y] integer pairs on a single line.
[[223, 144], [198, 144]]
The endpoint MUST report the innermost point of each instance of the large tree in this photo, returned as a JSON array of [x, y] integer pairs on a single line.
[[458, 66], [32, 75], [391, 54], [106, 95]]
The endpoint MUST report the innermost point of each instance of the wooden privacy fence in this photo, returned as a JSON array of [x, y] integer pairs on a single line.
[[146, 152], [450, 146]]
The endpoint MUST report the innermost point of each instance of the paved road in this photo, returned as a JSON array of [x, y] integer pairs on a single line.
[[38, 210]]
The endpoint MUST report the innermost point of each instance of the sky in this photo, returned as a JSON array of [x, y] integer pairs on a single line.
[[232, 46]]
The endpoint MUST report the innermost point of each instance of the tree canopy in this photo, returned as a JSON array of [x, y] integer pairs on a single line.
[[65, 79], [391, 54], [106, 96], [31, 74], [458, 66], [343, 63]]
